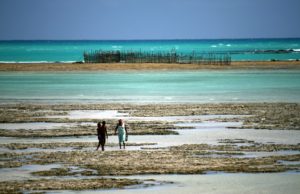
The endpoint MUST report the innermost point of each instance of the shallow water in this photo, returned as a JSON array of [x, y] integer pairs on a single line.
[[288, 162], [214, 184], [68, 149], [206, 86], [212, 136], [113, 114], [35, 125], [23, 172], [91, 114], [4, 140], [211, 124], [207, 133], [266, 154]]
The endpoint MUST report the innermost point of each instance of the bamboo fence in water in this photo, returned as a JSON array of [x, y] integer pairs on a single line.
[[208, 58]]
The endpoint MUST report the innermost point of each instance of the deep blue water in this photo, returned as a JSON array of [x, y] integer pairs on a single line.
[[70, 51], [152, 87]]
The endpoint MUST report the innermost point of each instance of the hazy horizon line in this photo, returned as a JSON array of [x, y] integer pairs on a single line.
[[171, 39]]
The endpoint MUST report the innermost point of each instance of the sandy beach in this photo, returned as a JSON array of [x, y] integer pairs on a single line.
[[145, 66]]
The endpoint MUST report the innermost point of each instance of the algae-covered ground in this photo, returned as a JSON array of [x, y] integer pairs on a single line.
[[56, 184], [261, 115], [139, 158]]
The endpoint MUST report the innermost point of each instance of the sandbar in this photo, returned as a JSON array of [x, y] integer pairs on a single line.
[[145, 66]]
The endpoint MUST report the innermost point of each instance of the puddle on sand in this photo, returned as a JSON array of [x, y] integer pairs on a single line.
[[4, 140], [241, 154], [206, 133], [23, 172], [33, 126], [114, 114], [210, 125], [209, 136], [68, 149], [91, 114], [284, 162], [187, 119], [267, 154], [32, 150], [213, 183], [41, 125]]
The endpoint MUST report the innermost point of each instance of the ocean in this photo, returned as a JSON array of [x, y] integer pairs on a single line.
[[72, 50], [151, 87], [206, 86]]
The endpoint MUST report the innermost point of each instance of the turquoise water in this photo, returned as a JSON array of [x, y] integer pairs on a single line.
[[152, 87], [70, 51]]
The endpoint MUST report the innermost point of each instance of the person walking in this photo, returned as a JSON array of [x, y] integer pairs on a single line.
[[121, 128], [102, 135]]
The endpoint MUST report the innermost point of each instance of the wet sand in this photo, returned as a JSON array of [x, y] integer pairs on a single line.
[[145, 66], [220, 183]]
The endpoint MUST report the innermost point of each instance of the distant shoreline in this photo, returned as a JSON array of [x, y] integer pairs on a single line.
[[145, 66]]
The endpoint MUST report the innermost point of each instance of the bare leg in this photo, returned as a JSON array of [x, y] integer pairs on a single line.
[[124, 145], [98, 146]]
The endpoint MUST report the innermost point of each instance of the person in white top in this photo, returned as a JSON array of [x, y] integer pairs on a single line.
[[122, 133]]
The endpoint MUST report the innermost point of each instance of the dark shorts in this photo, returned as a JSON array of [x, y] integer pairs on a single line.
[[101, 139]]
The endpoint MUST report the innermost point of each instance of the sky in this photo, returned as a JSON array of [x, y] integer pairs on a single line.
[[148, 19]]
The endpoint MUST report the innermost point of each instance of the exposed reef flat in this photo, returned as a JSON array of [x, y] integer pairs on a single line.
[[56, 184], [185, 159], [45, 127], [259, 115], [77, 145]]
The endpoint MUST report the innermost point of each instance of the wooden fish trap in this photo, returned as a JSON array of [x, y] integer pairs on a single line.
[[206, 58]]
